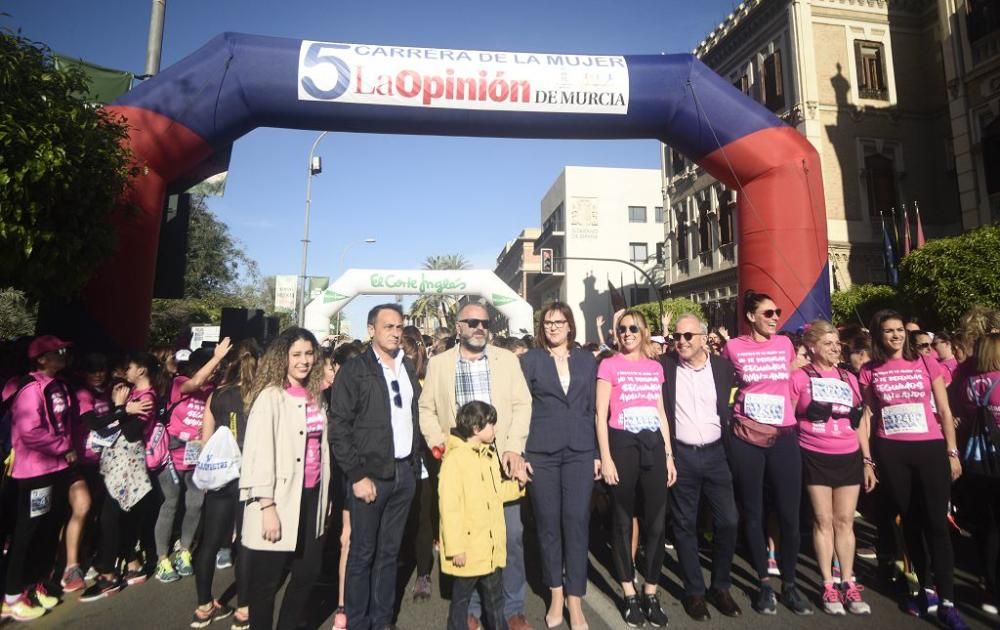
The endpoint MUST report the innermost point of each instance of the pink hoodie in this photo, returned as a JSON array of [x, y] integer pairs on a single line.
[[41, 428]]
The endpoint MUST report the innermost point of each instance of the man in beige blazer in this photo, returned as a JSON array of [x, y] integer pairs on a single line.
[[473, 370]]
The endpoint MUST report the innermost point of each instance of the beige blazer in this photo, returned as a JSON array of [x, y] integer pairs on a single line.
[[508, 393], [273, 466]]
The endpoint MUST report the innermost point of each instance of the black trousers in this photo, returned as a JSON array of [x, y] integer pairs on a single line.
[[218, 517], [422, 524], [642, 467], [268, 570], [120, 530], [917, 477], [780, 468], [42, 507], [490, 589], [560, 494], [703, 470]]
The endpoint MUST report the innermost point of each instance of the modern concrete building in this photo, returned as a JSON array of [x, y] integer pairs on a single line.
[[517, 265], [865, 82], [600, 213]]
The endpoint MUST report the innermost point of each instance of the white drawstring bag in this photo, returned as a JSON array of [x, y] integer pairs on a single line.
[[219, 461]]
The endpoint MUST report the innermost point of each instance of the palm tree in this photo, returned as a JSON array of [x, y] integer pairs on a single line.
[[433, 310]]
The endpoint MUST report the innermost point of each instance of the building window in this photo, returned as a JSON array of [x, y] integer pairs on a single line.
[[659, 253], [658, 214], [774, 87], [870, 59], [880, 175], [682, 230], [991, 156], [638, 252], [637, 214], [704, 240], [743, 84], [726, 211], [677, 162]]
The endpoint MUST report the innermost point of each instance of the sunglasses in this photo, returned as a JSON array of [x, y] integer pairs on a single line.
[[397, 398], [686, 336], [472, 322], [632, 329], [771, 312], [923, 346]]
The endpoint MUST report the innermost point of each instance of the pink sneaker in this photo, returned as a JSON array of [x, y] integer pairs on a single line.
[[340, 620], [831, 600], [852, 599]]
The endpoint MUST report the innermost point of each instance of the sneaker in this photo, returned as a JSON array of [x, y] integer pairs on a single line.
[[182, 562], [241, 621], [791, 597], [831, 600], [224, 558], [102, 588], [633, 612], [912, 606], [91, 574], [41, 596], [652, 610], [766, 603], [989, 609], [202, 618], [135, 577], [21, 610], [339, 620], [165, 571], [772, 567], [932, 601], [851, 594], [422, 588], [72, 579], [950, 619], [668, 546]]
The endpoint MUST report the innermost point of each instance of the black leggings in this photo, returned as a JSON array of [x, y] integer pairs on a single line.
[[218, 517], [422, 520], [917, 477], [641, 461], [42, 506], [780, 468]]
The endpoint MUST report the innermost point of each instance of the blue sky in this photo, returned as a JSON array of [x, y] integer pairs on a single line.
[[418, 196]]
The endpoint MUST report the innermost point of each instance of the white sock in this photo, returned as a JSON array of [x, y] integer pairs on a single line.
[[11, 599]]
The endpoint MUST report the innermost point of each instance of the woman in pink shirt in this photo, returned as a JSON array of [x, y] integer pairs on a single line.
[[827, 402], [915, 452]]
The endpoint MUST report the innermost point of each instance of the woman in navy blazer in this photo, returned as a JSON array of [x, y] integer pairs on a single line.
[[561, 455]]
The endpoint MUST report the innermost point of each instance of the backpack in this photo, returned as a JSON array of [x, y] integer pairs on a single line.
[[7, 422], [157, 440], [981, 455]]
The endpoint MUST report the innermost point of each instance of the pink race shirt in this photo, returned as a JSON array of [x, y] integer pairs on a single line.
[[949, 365], [185, 422], [762, 377], [636, 388], [975, 388], [88, 400], [315, 421], [902, 399], [834, 437]]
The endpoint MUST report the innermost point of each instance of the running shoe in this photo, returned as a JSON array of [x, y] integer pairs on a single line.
[[766, 602], [224, 558], [791, 597], [422, 588], [165, 571], [772, 567], [950, 619], [339, 620], [652, 611], [633, 612], [135, 577], [101, 588], [91, 574], [21, 610], [182, 563], [72, 579], [202, 618], [851, 594], [932, 601], [832, 605], [241, 621], [41, 596]]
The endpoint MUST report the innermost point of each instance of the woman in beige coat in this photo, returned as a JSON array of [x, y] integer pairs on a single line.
[[284, 481]]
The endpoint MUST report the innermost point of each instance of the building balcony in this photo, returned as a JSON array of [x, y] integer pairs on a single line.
[[554, 230]]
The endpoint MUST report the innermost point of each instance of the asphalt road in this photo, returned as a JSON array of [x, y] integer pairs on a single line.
[[155, 605]]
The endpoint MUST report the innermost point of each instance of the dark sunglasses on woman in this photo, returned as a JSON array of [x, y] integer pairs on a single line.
[[632, 329]]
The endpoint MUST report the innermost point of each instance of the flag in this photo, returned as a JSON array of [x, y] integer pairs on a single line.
[[890, 258], [617, 299], [906, 231], [920, 227], [894, 234], [103, 84]]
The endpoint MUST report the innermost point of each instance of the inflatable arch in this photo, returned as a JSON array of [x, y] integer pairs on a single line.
[[355, 282], [238, 82]]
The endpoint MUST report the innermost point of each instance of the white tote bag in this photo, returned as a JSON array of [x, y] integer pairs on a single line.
[[219, 461]]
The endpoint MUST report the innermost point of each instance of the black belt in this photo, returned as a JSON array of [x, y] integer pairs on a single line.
[[700, 447]]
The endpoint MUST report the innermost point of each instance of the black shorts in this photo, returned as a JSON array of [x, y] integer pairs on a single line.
[[835, 471]]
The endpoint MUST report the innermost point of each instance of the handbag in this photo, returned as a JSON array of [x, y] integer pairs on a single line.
[[219, 461], [123, 467]]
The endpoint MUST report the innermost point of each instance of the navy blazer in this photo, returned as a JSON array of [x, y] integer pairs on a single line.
[[561, 420], [724, 375]]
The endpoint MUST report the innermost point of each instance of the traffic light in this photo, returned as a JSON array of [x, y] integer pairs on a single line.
[[546, 260]]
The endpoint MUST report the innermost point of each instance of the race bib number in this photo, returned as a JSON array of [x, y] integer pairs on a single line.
[[40, 502], [638, 419], [765, 408], [906, 418], [192, 450], [832, 390]]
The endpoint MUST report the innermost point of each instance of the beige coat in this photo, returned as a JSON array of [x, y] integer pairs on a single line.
[[273, 466], [508, 393]]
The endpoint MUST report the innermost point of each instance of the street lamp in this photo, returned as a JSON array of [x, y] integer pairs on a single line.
[[315, 168], [343, 268]]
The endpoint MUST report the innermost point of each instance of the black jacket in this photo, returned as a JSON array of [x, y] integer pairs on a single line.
[[561, 420], [724, 375], [360, 419]]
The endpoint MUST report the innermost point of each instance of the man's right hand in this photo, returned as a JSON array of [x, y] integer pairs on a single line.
[[364, 489]]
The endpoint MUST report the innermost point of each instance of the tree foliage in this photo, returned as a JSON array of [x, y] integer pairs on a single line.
[[63, 169], [17, 314], [434, 310], [674, 306], [862, 301]]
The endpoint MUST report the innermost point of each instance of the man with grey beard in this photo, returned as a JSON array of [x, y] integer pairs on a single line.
[[474, 370]]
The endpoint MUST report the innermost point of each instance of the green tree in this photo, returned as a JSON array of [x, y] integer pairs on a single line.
[[434, 310], [861, 301], [63, 170], [17, 314], [675, 306]]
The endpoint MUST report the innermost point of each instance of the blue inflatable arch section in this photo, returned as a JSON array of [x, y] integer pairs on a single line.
[[238, 82]]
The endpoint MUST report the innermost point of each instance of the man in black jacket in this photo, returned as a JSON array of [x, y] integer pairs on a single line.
[[374, 437], [696, 399]]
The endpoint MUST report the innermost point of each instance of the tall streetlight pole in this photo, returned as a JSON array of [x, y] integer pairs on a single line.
[[343, 268], [315, 168], [154, 43]]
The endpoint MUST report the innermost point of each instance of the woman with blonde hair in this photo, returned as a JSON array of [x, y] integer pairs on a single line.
[[634, 443], [285, 476]]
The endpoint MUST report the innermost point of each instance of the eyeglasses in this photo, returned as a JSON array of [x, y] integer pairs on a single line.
[[554, 324], [397, 399], [686, 336], [472, 322], [771, 312], [632, 329]]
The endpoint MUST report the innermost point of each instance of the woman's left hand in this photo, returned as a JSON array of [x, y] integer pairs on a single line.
[[671, 471], [956, 468]]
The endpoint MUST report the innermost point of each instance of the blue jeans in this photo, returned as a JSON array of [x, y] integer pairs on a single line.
[[515, 585], [376, 534]]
